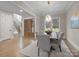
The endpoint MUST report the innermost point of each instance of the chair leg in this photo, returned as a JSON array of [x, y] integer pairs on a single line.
[[37, 43], [52, 48], [60, 48], [48, 54], [38, 51]]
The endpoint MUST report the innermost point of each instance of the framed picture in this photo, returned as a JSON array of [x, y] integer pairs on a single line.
[[56, 22], [74, 22]]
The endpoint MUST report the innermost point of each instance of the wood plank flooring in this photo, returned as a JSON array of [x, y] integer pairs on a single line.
[[10, 48]]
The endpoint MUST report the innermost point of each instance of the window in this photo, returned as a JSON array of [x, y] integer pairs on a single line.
[[56, 24]]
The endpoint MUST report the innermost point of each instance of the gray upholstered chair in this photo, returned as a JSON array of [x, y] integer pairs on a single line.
[[57, 42], [43, 43], [60, 38]]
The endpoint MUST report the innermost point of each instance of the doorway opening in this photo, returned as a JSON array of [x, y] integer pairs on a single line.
[[29, 31]]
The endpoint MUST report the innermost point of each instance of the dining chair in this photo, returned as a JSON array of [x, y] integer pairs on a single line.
[[57, 42], [60, 38], [44, 43]]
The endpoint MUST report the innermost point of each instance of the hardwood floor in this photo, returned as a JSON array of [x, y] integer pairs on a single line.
[[27, 38], [10, 48]]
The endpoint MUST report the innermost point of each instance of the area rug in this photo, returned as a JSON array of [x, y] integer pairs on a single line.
[[32, 51]]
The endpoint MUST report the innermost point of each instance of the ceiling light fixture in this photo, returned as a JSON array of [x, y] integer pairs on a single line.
[[48, 18], [48, 2]]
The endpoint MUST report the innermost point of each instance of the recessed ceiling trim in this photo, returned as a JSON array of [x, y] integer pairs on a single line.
[[30, 7], [15, 2]]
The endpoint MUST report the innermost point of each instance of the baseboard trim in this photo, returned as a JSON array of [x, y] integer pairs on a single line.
[[4, 39], [74, 45]]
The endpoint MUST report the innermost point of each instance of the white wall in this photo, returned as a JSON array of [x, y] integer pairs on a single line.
[[73, 34], [63, 24], [40, 24], [6, 25]]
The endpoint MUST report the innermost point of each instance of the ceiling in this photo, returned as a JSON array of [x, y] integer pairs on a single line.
[[43, 8], [12, 8], [33, 8]]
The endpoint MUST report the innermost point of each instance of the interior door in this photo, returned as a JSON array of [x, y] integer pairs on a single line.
[[28, 28], [6, 26], [28, 33]]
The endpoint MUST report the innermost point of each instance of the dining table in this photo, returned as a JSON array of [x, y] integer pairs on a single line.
[[54, 40], [54, 35]]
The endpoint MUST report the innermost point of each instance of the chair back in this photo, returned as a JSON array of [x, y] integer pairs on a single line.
[[44, 42], [60, 36]]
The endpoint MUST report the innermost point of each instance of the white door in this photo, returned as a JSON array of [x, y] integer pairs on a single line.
[[6, 25]]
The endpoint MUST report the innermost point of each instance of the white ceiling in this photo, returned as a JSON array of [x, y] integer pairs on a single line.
[[12, 8], [55, 7], [35, 7]]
